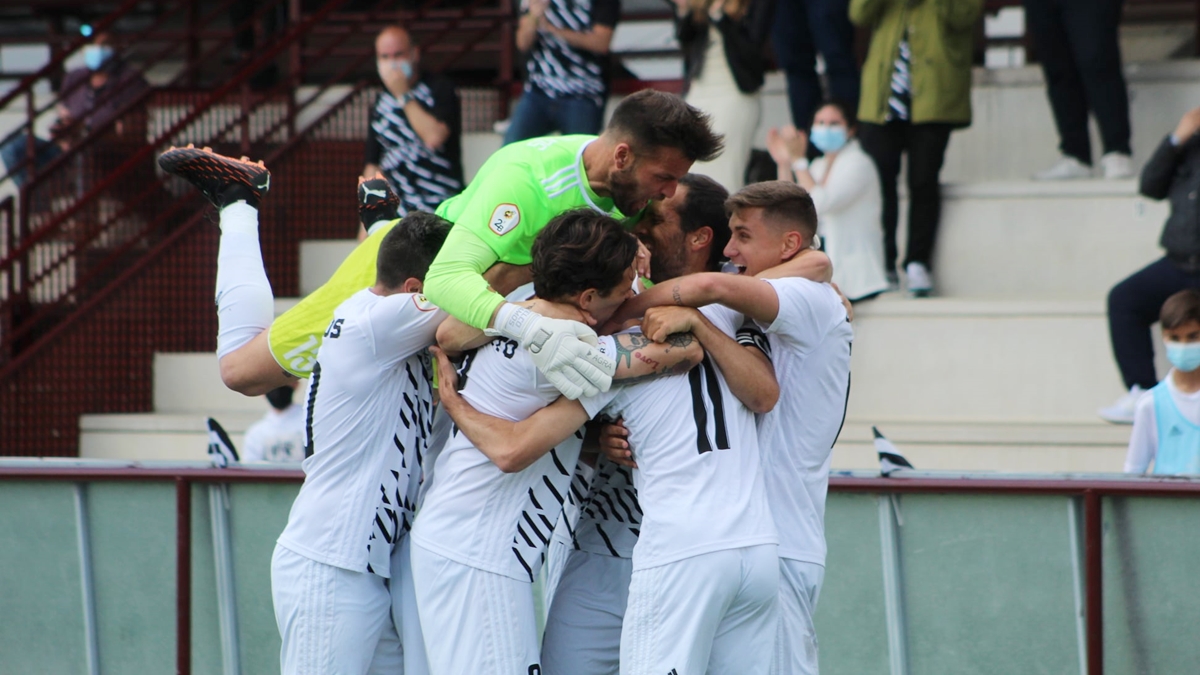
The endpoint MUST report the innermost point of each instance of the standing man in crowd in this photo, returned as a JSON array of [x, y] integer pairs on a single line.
[[567, 42], [916, 89], [801, 29], [414, 137], [1173, 172], [1076, 41]]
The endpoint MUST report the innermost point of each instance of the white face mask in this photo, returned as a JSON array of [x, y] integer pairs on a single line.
[[403, 65]]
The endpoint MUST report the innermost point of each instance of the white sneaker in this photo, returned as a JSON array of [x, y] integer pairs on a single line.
[[920, 285], [1121, 412], [1067, 168], [1116, 165]]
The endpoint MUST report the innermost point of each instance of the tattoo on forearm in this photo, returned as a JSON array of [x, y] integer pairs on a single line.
[[681, 340], [627, 344], [647, 360], [676, 295]]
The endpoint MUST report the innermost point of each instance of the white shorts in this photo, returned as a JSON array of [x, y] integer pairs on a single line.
[[583, 628], [556, 559], [404, 610], [796, 641], [332, 620], [474, 621], [713, 613]]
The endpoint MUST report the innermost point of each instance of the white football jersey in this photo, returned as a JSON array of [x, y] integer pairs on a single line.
[[610, 517], [699, 483], [810, 348], [477, 515], [370, 409]]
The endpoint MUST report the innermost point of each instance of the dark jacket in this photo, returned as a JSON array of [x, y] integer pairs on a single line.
[[744, 39], [1174, 172]]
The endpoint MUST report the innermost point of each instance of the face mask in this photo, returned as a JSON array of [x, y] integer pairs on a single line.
[[828, 138], [1184, 355], [95, 56], [403, 65]]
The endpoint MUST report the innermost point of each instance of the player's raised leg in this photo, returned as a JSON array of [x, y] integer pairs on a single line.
[[245, 302]]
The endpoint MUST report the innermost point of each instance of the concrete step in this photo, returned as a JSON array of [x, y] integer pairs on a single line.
[[1011, 447], [1035, 240], [972, 361], [190, 383], [182, 436]]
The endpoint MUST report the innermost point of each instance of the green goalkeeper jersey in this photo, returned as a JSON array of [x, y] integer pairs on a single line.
[[516, 192]]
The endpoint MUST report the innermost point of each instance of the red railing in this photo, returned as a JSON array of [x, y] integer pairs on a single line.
[[1090, 490], [103, 262]]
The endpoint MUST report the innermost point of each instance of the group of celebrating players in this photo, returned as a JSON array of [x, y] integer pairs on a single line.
[[512, 390]]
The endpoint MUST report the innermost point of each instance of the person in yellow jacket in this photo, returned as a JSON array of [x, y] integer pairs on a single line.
[[916, 89]]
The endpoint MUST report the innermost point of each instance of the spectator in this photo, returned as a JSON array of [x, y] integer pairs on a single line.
[[280, 435], [916, 90], [1166, 423], [1076, 41], [801, 28], [844, 186], [724, 68], [1133, 304], [567, 42], [90, 98], [414, 137]]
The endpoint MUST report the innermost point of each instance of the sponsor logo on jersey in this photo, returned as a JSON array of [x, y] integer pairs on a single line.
[[505, 219], [423, 303]]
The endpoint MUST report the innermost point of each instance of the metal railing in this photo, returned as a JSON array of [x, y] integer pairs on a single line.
[[1090, 490], [94, 232]]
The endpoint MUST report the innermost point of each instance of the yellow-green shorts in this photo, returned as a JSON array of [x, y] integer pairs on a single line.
[[295, 335]]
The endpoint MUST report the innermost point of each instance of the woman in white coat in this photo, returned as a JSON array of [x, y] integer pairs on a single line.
[[845, 189]]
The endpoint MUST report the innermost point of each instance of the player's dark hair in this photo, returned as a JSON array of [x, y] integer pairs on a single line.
[[704, 206], [651, 120], [578, 250], [1181, 308], [784, 204], [280, 397], [843, 107], [409, 247]]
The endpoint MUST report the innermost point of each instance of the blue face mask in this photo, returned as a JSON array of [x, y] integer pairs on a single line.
[[829, 138], [1184, 356], [95, 56]]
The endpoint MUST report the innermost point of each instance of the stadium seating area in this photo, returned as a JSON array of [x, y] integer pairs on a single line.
[[1002, 371]]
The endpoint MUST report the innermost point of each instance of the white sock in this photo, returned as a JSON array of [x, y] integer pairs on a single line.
[[378, 224], [245, 303]]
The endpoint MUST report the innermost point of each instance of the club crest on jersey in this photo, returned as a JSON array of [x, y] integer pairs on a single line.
[[505, 219], [423, 303]]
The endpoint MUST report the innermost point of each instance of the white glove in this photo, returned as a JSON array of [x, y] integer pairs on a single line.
[[565, 351]]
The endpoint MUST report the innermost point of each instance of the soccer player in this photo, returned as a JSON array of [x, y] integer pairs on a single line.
[[649, 144], [809, 336], [370, 408], [485, 521]]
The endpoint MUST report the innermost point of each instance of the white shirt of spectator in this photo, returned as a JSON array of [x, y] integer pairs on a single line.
[[1143, 442], [370, 411], [849, 203], [810, 348], [698, 479], [279, 436]]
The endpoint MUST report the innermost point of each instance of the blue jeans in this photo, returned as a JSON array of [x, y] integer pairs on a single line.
[[800, 30], [537, 114], [12, 152]]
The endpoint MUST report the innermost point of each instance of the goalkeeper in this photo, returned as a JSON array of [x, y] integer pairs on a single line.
[[650, 143]]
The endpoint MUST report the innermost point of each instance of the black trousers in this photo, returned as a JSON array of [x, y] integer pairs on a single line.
[[1076, 41], [801, 28], [926, 148], [1133, 307]]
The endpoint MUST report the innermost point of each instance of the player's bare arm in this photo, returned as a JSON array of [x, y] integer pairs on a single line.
[[511, 446], [639, 358], [747, 370], [744, 294]]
